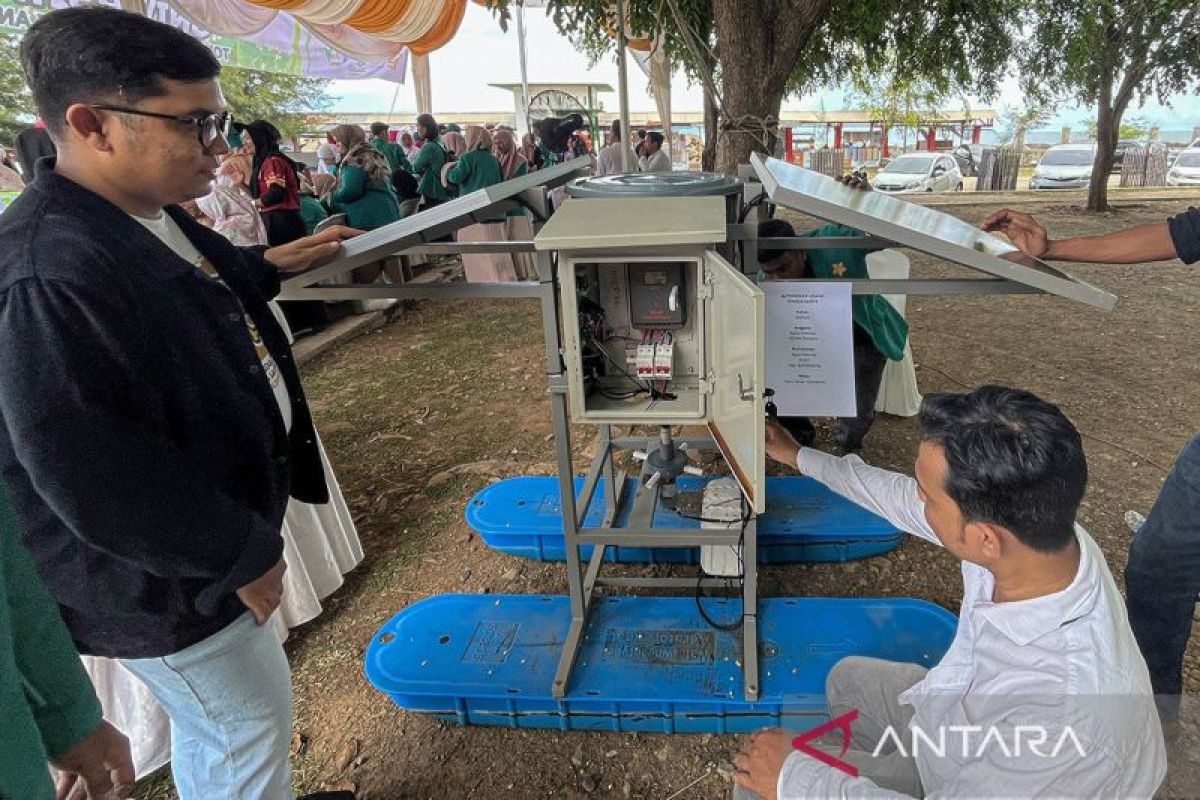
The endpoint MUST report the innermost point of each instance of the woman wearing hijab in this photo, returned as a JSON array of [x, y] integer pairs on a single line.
[[428, 163], [456, 146], [477, 169], [230, 206], [518, 227], [529, 151], [313, 211], [409, 146], [364, 192], [275, 187], [274, 184]]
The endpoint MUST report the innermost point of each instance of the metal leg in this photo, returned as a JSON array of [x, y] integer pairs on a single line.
[[750, 670], [566, 475], [593, 572]]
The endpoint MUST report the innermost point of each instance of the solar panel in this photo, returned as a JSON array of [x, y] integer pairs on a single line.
[[912, 225], [431, 223]]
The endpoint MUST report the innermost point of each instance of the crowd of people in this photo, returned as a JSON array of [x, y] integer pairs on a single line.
[[154, 427]]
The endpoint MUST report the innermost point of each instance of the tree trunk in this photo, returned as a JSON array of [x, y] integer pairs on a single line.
[[1106, 143], [759, 44], [708, 159]]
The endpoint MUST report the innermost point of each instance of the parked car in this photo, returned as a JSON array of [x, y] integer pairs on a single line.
[[1119, 151], [1186, 169], [920, 172], [1064, 166]]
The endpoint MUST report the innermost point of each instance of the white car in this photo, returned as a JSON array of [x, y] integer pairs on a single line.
[[1064, 166], [920, 172], [1186, 169]]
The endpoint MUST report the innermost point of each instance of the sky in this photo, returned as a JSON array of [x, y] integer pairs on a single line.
[[481, 53]]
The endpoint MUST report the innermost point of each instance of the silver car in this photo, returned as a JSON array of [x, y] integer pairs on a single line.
[[920, 172], [1186, 169], [1064, 166]]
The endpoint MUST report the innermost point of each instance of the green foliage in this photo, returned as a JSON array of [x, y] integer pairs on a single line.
[[948, 46], [940, 48], [1091, 48], [896, 99], [1134, 128], [1107, 53], [1016, 120], [16, 104], [284, 100]]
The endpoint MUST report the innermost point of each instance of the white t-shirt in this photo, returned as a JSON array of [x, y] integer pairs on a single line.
[[169, 233], [655, 162], [608, 160]]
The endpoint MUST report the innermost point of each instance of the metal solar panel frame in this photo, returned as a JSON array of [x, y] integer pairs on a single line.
[[425, 227], [958, 242]]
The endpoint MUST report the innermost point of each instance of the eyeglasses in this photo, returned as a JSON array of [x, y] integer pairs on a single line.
[[209, 128]]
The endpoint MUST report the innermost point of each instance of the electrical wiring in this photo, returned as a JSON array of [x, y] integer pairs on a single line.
[[740, 578]]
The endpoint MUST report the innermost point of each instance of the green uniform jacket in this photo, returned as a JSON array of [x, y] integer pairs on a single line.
[[366, 207], [394, 154], [872, 312], [47, 704], [428, 165], [312, 211], [475, 170]]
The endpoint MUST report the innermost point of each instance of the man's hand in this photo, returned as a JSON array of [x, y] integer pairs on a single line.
[[311, 251], [1021, 229], [98, 768], [781, 446], [263, 595], [761, 761], [856, 180]]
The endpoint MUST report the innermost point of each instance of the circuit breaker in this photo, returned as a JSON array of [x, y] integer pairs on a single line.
[[657, 327]]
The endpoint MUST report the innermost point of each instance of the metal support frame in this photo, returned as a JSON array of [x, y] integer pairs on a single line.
[[639, 532], [583, 580]]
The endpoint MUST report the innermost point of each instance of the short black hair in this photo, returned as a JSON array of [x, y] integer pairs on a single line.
[[655, 137], [1014, 460], [773, 229], [89, 55], [379, 128]]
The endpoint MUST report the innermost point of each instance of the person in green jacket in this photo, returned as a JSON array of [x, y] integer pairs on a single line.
[[48, 708], [392, 151], [880, 332], [364, 192], [477, 168], [310, 207], [429, 162]]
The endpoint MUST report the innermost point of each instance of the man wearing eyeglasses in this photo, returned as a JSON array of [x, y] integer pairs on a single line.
[[152, 421]]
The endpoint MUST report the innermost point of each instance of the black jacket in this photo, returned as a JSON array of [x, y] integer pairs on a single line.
[[142, 444], [1185, 234]]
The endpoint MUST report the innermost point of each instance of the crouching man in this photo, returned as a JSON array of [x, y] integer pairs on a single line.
[[1043, 691]]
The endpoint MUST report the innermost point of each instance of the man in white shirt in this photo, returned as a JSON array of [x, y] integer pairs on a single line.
[[1043, 692], [653, 158], [608, 160]]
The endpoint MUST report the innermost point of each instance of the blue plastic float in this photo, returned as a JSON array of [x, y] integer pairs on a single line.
[[647, 663], [804, 523]]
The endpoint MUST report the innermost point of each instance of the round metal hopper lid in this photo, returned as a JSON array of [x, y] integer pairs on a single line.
[[661, 184]]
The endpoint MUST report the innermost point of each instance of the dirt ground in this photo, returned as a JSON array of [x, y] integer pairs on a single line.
[[451, 395]]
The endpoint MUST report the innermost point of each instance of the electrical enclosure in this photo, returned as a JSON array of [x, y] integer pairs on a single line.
[[639, 274]]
